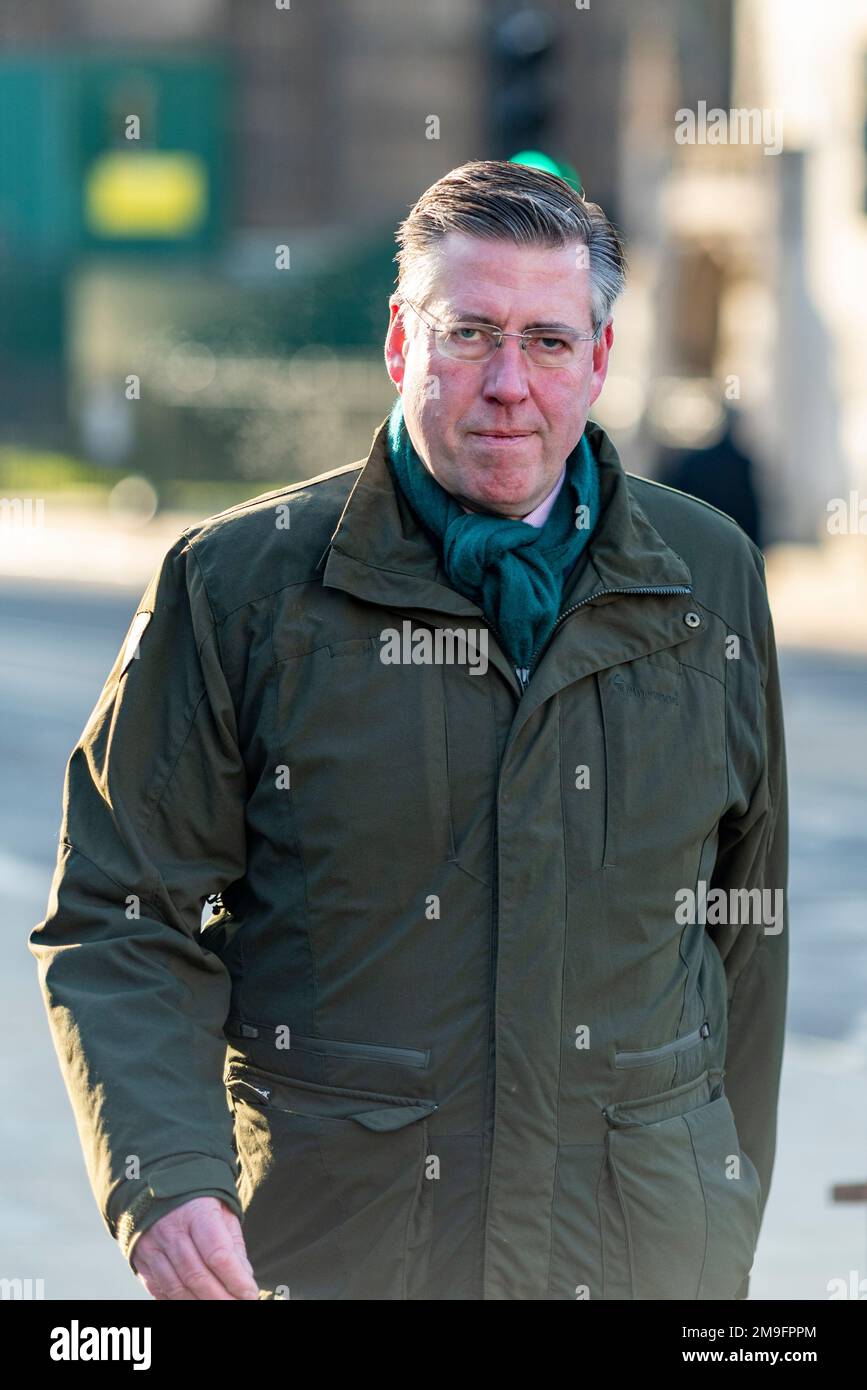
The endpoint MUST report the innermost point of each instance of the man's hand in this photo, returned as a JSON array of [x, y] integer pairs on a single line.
[[196, 1251]]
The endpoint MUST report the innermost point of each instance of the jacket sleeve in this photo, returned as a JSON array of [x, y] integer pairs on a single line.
[[152, 824], [753, 854]]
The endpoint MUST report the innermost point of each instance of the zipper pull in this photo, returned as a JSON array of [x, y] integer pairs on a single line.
[[263, 1092], [523, 674]]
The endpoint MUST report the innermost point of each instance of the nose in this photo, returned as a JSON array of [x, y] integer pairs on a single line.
[[507, 374]]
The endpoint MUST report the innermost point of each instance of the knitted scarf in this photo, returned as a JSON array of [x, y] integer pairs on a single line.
[[513, 571]]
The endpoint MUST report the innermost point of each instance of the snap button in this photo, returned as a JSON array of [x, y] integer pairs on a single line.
[[692, 619]]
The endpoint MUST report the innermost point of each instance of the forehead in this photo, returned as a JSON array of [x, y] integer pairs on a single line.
[[497, 278]]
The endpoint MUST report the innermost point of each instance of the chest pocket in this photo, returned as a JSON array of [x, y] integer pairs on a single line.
[[665, 753], [366, 744]]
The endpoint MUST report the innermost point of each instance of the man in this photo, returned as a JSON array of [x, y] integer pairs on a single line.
[[480, 743]]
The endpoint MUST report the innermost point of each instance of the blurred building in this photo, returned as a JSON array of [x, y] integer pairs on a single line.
[[752, 256], [314, 127]]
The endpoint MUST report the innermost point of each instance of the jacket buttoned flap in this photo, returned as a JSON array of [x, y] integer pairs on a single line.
[[629, 600]]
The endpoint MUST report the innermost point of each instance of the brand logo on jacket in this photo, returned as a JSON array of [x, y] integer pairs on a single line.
[[439, 646], [642, 691]]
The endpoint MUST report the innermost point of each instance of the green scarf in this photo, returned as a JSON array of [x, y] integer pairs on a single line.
[[513, 571]]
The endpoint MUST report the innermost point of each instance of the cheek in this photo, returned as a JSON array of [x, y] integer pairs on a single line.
[[445, 399], [427, 384], [565, 410]]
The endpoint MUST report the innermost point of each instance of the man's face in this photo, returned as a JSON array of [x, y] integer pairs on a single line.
[[454, 410]]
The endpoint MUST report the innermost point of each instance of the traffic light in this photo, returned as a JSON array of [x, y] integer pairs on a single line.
[[521, 49]]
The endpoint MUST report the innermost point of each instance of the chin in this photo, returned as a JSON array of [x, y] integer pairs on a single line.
[[499, 507], [506, 495]]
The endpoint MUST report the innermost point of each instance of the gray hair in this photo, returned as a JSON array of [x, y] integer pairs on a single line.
[[496, 199]]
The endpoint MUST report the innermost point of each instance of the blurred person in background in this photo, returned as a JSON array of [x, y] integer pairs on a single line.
[[723, 475]]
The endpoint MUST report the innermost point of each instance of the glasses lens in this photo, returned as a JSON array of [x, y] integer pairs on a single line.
[[472, 342], [549, 350], [466, 341]]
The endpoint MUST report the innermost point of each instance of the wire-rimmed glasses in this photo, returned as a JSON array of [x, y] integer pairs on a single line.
[[467, 341]]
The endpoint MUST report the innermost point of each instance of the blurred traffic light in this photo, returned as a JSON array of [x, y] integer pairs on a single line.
[[521, 50], [536, 159]]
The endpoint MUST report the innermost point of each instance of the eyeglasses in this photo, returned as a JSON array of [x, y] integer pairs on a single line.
[[477, 342]]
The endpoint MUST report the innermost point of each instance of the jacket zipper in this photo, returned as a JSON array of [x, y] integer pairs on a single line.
[[332, 1047], [652, 1054], [600, 593]]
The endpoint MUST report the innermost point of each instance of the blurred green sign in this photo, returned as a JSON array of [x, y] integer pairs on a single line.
[[120, 152]]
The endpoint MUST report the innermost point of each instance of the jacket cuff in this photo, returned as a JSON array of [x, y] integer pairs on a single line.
[[161, 1206], [168, 1187]]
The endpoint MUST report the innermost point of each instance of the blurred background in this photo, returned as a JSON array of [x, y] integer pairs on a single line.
[[197, 213]]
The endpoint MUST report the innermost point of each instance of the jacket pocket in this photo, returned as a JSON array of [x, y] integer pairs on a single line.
[[236, 1027], [665, 745], [678, 1197], [333, 1188], [645, 1057]]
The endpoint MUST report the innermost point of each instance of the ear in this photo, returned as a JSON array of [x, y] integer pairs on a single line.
[[396, 343], [601, 349]]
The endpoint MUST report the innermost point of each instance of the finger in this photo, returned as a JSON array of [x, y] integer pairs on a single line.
[[211, 1237], [163, 1277], [146, 1277], [167, 1279], [236, 1235], [193, 1271]]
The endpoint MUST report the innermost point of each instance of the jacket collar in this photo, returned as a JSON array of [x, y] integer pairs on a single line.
[[380, 552]]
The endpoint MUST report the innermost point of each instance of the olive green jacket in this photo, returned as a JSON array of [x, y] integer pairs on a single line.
[[492, 1003]]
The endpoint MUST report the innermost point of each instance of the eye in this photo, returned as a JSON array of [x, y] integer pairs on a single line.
[[464, 331], [551, 344]]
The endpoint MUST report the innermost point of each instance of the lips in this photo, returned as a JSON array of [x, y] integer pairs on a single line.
[[502, 434]]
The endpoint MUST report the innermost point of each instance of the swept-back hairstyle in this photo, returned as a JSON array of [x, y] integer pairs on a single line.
[[495, 199]]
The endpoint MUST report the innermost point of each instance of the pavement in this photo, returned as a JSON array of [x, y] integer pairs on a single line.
[[67, 594]]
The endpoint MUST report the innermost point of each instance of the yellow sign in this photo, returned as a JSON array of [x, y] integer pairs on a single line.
[[146, 194]]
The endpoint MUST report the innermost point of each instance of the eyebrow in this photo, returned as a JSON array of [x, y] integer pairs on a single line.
[[473, 316]]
